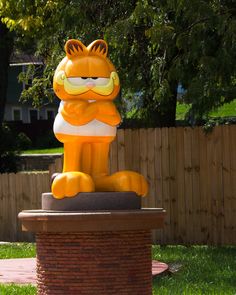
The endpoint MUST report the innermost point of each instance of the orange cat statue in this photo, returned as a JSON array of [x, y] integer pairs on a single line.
[[87, 83]]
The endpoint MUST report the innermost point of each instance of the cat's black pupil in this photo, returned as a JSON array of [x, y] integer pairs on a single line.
[[94, 78]]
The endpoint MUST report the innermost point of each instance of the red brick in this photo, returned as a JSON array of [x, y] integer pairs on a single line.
[[94, 263]]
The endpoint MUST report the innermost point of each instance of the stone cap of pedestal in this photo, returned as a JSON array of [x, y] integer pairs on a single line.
[[115, 220]]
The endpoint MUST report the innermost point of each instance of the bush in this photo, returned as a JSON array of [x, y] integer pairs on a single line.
[[11, 144], [9, 150], [24, 141], [48, 140]]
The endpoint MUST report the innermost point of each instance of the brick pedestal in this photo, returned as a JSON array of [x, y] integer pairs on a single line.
[[89, 253], [94, 263]]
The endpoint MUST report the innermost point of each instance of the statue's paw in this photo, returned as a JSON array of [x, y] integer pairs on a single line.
[[130, 181], [69, 184]]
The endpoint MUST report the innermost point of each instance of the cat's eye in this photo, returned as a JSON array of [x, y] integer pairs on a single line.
[[81, 81], [101, 81]]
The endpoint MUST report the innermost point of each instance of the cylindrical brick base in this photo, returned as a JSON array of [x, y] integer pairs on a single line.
[[93, 252], [88, 263]]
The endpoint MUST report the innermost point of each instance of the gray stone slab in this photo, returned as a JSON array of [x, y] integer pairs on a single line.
[[93, 201]]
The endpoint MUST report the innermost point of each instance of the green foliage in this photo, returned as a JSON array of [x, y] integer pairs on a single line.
[[47, 140], [6, 46], [10, 146], [24, 141], [190, 42], [41, 88], [154, 45], [9, 151]]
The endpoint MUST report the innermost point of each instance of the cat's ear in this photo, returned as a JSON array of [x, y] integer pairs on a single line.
[[75, 48], [98, 47]]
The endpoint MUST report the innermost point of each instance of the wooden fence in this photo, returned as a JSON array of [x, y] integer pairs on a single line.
[[191, 174], [19, 192]]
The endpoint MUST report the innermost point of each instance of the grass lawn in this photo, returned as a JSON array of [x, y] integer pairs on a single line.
[[44, 151], [181, 110], [204, 270], [227, 110], [17, 290], [17, 250]]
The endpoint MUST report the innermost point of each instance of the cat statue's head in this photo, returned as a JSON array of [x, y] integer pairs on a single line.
[[86, 73]]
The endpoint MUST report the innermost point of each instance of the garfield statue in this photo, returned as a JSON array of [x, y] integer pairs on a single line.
[[87, 83]]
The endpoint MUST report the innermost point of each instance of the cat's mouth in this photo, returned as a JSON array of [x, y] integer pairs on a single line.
[[79, 85]]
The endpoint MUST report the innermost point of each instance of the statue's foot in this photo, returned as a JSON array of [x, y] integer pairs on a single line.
[[123, 181], [69, 184]]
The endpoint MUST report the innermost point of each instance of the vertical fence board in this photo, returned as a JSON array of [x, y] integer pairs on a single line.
[[19, 190], [46, 184], [165, 183], [56, 167], [20, 203], [158, 178], [188, 182], [143, 160], [210, 178], [13, 206], [204, 214], [128, 149], [232, 130], [151, 168], [121, 149], [216, 188], [5, 205], [151, 171], [196, 186], [227, 187], [113, 156], [135, 151], [2, 205], [180, 185], [173, 185]]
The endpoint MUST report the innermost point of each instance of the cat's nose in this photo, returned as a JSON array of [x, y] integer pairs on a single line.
[[90, 84]]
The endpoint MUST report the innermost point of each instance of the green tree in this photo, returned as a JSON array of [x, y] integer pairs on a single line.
[[154, 45], [6, 46], [191, 42], [47, 25]]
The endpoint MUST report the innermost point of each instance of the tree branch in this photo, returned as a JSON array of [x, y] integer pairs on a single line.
[[203, 20]]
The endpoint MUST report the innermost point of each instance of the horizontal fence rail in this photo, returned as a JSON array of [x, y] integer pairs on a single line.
[[191, 174]]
